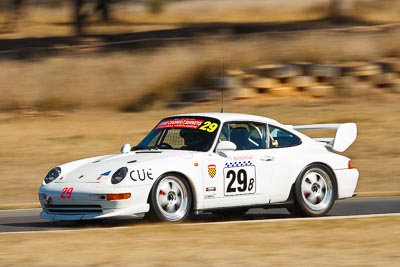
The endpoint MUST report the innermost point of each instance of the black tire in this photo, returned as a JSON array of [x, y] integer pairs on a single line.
[[170, 199], [315, 192], [231, 213], [295, 210]]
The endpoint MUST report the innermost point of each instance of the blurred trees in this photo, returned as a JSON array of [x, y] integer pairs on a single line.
[[13, 9], [80, 13], [16, 7], [341, 10], [155, 6], [103, 7], [81, 9]]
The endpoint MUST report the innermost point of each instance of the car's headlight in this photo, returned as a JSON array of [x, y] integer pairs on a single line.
[[119, 175], [52, 175]]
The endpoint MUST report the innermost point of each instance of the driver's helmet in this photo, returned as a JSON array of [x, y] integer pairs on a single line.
[[191, 137]]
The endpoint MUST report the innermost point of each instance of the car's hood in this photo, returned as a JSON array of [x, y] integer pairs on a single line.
[[97, 169]]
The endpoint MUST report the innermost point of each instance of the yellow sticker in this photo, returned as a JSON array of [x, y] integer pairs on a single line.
[[209, 126], [275, 143]]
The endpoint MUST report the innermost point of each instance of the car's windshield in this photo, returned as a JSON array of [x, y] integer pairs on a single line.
[[182, 133]]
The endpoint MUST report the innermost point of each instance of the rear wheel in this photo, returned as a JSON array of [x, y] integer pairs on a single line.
[[170, 199], [315, 192]]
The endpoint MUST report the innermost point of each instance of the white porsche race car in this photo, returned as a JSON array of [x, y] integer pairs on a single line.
[[220, 162]]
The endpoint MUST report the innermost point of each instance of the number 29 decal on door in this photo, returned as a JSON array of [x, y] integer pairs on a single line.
[[239, 178]]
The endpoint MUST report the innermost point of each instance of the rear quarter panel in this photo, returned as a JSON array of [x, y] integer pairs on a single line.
[[291, 161]]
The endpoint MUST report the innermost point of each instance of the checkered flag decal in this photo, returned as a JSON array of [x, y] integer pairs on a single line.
[[212, 170], [238, 164]]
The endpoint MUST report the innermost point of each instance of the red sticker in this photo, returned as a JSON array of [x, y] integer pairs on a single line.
[[66, 192], [180, 124]]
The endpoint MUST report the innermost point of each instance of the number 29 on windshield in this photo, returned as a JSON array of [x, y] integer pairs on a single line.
[[208, 126]]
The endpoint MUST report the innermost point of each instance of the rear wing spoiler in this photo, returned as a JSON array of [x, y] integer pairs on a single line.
[[346, 134]]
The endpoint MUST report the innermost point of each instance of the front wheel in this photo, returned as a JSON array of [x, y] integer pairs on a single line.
[[170, 199], [315, 192]]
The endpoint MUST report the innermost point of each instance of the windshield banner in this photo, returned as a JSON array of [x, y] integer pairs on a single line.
[[180, 123]]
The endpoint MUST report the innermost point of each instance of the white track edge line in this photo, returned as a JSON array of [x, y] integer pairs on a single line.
[[340, 217], [16, 210], [213, 223]]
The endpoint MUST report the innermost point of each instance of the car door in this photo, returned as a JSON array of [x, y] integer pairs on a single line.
[[288, 153], [239, 177]]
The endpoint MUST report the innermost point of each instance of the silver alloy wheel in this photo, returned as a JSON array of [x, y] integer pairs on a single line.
[[172, 198], [316, 189]]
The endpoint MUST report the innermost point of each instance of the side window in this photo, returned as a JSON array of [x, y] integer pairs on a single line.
[[245, 135], [282, 138], [224, 136]]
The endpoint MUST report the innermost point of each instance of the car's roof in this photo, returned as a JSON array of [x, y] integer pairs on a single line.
[[232, 117]]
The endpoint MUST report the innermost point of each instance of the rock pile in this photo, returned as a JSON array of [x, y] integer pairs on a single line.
[[303, 78]]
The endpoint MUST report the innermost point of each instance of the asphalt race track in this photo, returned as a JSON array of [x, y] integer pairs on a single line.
[[28, 220]]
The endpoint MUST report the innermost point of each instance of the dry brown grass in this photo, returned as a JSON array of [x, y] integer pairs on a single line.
[[378, 10], [114, 80], [353, 242], [205, 11], [121, 80]]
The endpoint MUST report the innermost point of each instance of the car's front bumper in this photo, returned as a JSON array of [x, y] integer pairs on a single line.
[[135, 212], [89, 202]]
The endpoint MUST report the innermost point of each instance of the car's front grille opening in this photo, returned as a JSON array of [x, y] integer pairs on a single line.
[[74, 209]]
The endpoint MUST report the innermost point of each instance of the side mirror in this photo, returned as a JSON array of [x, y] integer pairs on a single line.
[[225, 146], [126, 148]]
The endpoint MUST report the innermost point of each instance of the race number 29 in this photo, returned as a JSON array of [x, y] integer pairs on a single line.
[[66, 192], [239, 180]]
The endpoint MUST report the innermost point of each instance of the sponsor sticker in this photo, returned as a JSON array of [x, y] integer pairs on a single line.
[[242, 158], [66, 193], [275, 143], [209, 196], [239, 178], [180, 123], [141, 174], [212, 170], [103, 174], [211, 189], [238, 164]]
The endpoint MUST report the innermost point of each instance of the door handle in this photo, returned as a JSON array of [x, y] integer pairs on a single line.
[[267, 158]]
